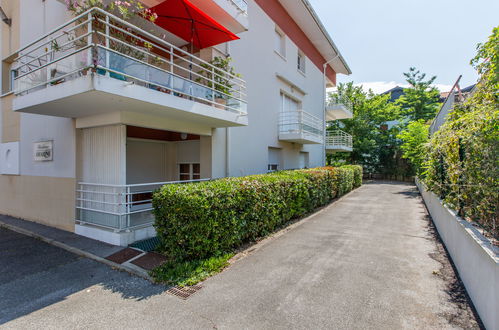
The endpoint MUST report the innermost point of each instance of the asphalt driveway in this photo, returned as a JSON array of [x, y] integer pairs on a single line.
[[370, 260]]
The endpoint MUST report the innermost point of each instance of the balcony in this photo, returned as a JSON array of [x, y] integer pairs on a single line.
[[99, 64], [300, 127], [338, 141], [117, 214], [338, 110]]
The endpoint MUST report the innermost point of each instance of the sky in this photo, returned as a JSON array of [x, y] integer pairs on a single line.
[[382, 39]]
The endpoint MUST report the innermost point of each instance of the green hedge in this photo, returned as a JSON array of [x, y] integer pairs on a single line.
[[357, 174], [197, 221]]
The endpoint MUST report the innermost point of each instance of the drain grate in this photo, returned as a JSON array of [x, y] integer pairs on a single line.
[[184, 292]]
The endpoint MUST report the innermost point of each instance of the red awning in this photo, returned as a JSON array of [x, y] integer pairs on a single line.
[[185, 20]]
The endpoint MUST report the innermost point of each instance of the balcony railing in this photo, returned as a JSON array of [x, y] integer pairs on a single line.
[[300, 123], [117, 207], [338, 140], [99, 43], [242, 5]]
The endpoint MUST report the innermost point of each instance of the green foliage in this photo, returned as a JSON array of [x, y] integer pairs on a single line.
[[374, 148], [217, 78], [357, 174], [420, 101], [486, 62], [187, 273], [462, 164], [209, 219], [414, 138], [377, 123]]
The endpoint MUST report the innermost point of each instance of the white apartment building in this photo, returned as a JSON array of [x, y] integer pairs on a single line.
[[89, 126]]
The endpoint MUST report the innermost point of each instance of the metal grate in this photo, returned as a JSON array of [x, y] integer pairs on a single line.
[[184, 292], [147, 245]]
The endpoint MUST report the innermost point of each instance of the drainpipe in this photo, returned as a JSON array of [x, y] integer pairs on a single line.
[[324, 108], [227, 152]]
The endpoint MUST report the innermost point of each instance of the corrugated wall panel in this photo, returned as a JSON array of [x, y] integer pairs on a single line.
[[104, 154]]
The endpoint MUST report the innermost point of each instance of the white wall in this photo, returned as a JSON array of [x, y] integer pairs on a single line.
[[39, 17], [36, 128], [188, 152], [476, 260], [147, 161], [255, 59]]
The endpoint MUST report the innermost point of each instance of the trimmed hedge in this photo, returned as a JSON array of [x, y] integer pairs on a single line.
[[201, 220]]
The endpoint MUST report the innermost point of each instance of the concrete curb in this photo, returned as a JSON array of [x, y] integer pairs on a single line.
[[79, 252]]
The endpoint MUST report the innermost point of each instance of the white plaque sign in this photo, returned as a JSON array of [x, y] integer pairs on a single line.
[[43, 151]]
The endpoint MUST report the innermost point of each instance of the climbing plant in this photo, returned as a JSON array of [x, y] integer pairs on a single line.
[[462, 163]]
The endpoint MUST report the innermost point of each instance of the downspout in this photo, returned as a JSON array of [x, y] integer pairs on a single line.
[[324, 108], [227, 152]]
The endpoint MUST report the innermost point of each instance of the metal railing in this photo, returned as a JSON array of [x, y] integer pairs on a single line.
[[118, 207], [338, 140], [301, 122], [333, 103], [97, 42], [242, 5]]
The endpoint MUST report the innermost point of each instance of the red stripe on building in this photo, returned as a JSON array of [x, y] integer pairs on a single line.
[[286, 23]]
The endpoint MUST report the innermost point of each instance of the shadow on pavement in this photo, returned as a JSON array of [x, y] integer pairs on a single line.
[[36, 275]]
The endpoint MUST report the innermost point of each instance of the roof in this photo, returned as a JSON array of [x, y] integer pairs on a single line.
[[395, 93], [301, 11]]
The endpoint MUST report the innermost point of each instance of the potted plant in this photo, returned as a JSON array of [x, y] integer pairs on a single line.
[[217, 79], [122, 42]]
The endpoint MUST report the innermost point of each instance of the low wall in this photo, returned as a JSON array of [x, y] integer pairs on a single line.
[[475, 258]]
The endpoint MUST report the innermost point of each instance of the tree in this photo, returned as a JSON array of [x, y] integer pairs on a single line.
[[486, 62], [373, 146], [414, 138], [420, 100]]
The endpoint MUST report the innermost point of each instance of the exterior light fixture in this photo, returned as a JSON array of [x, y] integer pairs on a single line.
[[4, 17], [183, 136]]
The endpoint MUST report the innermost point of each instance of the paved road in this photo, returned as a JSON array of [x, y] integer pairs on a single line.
[[370, 260]]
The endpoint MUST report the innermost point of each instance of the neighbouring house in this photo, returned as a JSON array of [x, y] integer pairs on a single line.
[[455, 95], [92, 122]]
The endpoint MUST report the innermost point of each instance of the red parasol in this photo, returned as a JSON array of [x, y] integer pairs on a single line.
[[188, 22]]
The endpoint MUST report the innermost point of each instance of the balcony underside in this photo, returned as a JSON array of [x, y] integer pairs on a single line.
[[97, 95], [338, 111], [301, 138], [337, 148]]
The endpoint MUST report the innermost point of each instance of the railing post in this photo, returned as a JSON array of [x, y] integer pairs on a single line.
[[90, 40], [213, 86], [128, 206], [108, 44], [171, 61]]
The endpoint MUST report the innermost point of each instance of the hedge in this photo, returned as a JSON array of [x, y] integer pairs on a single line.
[[201, 220]]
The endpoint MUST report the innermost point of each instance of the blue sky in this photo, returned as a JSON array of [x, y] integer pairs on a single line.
[[381, 39]]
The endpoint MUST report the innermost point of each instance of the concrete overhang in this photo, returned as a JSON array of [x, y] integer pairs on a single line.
[[95, 95], [306, 18], [338, 111]]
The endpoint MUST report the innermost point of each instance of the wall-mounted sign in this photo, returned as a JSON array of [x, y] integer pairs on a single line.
[[43, 151]]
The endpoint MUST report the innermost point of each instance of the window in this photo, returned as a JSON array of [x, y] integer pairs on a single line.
[[280, 43], [289, 104], [274, 159], [303, 159], [301, 62], [189, 172], [273, 167]]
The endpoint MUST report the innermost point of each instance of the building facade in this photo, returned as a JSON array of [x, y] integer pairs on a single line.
[[97, 111]]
